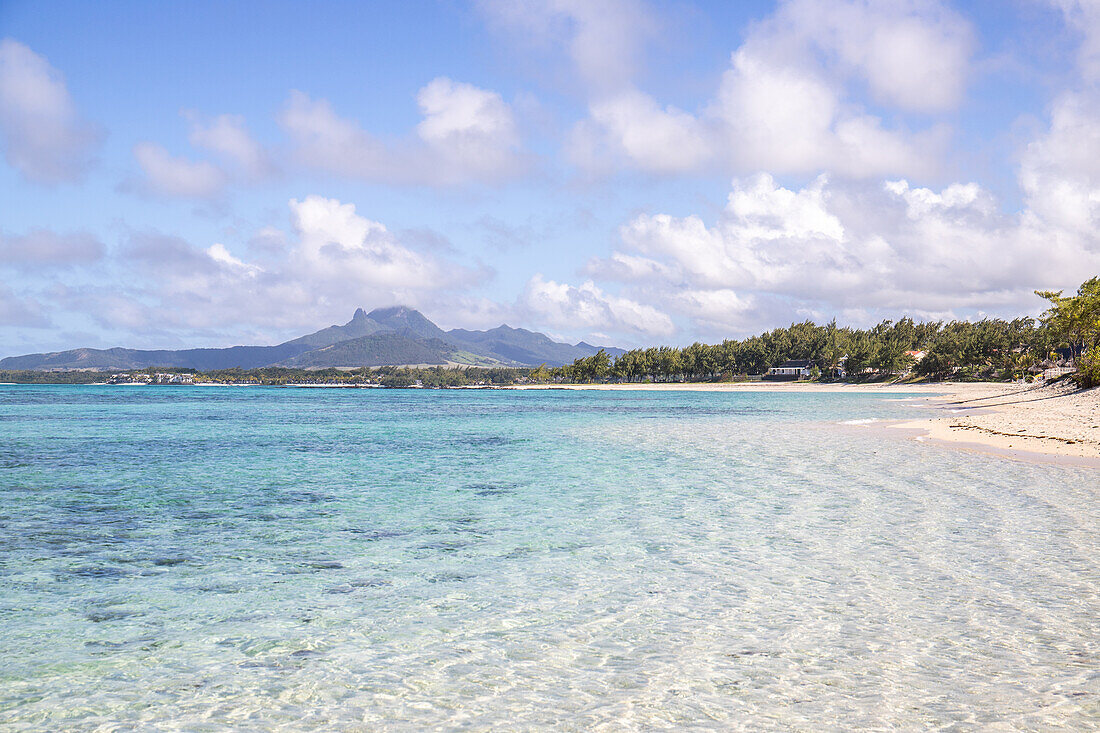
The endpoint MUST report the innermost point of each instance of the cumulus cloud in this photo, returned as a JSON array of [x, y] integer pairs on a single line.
[[41, 248], [470, 130], [237, 158], [1084, 17], [912, 54], [827, 247], [630, 126], [466, 134], [164, 174], [790, 119], [327, 141], [770, 115], [604, 39], [45, 138], [228, 137], [785, 105], [336, 245], [561, 306], [854, 246], [1060, 171], [22, 312], [332, 261]]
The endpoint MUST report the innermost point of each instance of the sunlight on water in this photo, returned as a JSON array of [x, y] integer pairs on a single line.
[[279, 559]]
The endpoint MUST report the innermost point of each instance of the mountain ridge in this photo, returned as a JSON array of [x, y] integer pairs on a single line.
[[381, 337]]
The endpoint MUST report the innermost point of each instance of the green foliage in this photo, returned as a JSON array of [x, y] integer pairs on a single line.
[[397, 380], [28, 376], [1088, 368], [986, 349], [1074, 322], [376, 349], [593, 368]]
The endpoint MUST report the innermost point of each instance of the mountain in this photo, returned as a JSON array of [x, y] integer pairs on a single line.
[[520, 346], [407, 322], [385, 336], [379, 349], [360, 324], [244, 357]]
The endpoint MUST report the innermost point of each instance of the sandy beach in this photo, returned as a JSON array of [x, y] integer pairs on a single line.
[[1027, 422], [929, 389], [1052, 422]]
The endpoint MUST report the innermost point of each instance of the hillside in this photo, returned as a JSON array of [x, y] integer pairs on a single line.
[[244, 357], [379, 349], [520, 346], [385, 336], [360, 325]]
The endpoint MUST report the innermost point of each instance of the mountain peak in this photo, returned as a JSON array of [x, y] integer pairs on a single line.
[[392, 311], [406, 321], [359, 315]]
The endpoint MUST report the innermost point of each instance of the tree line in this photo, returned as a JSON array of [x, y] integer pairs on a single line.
[[989, 349]]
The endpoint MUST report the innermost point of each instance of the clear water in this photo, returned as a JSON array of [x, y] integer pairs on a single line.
[[211, 559]]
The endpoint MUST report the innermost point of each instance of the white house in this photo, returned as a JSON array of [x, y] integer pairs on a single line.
[[790, 370]]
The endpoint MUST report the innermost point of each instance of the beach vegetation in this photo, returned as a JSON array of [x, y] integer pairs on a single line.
[[1073, 322], [1067, 335]]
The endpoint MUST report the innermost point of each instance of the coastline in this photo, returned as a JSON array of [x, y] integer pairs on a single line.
[[1049, 423], [929, 389]]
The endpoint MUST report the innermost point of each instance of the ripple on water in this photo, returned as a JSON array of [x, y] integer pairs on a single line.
[[496, 560]]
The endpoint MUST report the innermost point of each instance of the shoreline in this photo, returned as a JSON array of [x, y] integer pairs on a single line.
[[1050, 423], [1045, 423], [929, 388]]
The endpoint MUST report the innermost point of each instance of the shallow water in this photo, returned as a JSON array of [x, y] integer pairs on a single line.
[[209, 559]]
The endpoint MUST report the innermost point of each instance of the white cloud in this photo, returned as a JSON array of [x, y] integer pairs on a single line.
[[326, 141], [737, 252], [1084, 16], [913, 54], [1060, 171], [566, 307], [784, 117], [631, 127], [958, 197], [829, 247], [334, 261], [168, 175], [44, 248], [713, 310], [224, 257], [471, 130], [21, 312], [336, 245], [785, 103], [466, 134], [228, 136], [240, 158], [455, 112], [44, 136], [603, 39]]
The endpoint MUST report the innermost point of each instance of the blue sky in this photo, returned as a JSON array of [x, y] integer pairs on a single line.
[[625, 172]]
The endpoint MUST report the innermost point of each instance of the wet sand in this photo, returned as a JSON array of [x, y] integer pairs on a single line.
[[1025, 422]]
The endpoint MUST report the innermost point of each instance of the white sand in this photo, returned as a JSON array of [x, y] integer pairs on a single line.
[[1026, 422], [1020, 422], [929, 389]]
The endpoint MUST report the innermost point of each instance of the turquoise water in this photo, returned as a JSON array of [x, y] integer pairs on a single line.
[[249, 558]]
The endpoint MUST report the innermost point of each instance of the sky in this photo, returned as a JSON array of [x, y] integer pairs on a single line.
[[626, 172]]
